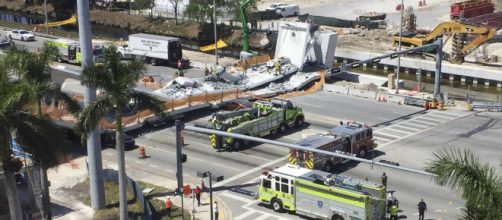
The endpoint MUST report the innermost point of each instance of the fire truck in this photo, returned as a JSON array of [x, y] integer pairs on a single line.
[[321, 195], [350, 138], [265, 117]]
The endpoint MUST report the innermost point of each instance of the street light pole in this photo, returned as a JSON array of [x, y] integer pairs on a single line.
[[97, 190], [399, 47], [215, 33], [46, 18]]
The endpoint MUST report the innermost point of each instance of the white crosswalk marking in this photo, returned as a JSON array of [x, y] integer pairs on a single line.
[[244, 215], [385, 133], [392, 133]]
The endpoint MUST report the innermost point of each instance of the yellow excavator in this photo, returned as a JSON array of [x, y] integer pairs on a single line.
[[460, 45]]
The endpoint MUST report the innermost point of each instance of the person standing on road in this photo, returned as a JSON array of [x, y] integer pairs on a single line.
[[384, 179], [198, 192], [169, 205], [393, 212], [215, 210], [422, 207]]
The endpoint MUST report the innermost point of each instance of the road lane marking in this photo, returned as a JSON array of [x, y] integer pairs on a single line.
[[397, 129], [244, 215], [386, 134], [153, 166], [407, 128], [249, 171], [201, 160], [263, 216], [236, 197], [415, 121], [383, 139]]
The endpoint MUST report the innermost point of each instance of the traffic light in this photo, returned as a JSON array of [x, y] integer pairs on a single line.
[[183, 158]]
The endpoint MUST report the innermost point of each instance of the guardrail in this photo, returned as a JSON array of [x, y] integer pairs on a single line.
[[487, 106], [147, 211]]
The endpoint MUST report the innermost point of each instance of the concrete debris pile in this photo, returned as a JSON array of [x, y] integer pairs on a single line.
[[294, 83], [181, 87], [376, 39]]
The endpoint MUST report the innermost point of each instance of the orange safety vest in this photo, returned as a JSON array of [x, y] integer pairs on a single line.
[[169, 204]]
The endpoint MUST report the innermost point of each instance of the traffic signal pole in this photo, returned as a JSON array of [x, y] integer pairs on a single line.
[[179, 168]]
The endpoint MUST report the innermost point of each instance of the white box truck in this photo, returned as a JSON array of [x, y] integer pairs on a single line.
[[155, 49]]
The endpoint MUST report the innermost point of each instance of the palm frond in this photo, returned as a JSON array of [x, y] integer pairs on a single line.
[[38, 135], [463, 172], [71, 104], [92, 114], [97, 77]]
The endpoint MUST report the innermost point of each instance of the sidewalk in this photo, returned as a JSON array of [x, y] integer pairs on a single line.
[[68, 174]]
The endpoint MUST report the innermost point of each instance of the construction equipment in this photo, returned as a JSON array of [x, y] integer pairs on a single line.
[[350, 138], [69, 51], [460, 46], [264, 118], [469, 9], [71, 20], [321, 195], [245, 30]]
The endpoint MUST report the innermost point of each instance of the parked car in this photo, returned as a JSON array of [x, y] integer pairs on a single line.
[[21, 35], [108, 139], [155, 121], [236, 105]]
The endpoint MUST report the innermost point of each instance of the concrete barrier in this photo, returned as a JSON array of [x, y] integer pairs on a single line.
[[363, 93], [391, 97], [336, 89]]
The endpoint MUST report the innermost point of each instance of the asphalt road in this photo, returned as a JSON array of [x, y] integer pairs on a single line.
[[158, 72], [242, 168], [410, 141]]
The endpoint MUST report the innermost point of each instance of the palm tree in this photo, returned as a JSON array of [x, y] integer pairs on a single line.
[[479, 184], [35, 85], [29, 130], [116, 79]]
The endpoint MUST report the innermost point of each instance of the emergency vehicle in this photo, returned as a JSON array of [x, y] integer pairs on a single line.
[[69, 51], [319, 194], [351, 138]]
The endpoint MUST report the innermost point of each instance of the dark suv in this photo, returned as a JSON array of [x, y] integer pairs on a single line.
[[108, 139]]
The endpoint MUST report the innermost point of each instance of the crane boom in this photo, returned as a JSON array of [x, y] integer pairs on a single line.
[[245, 31]]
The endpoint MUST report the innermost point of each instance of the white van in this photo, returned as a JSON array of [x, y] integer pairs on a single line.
[[288, 10]]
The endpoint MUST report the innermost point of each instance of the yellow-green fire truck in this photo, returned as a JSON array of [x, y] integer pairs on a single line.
[[264, 118], [69, 51], [322, 195]]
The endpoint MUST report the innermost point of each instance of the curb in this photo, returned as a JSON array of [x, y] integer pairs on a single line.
[[224, 207]]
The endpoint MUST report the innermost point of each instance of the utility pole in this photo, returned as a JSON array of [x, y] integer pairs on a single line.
[[215, 34], [179, 167], [97, 190], [46, 18], [399, 47]]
